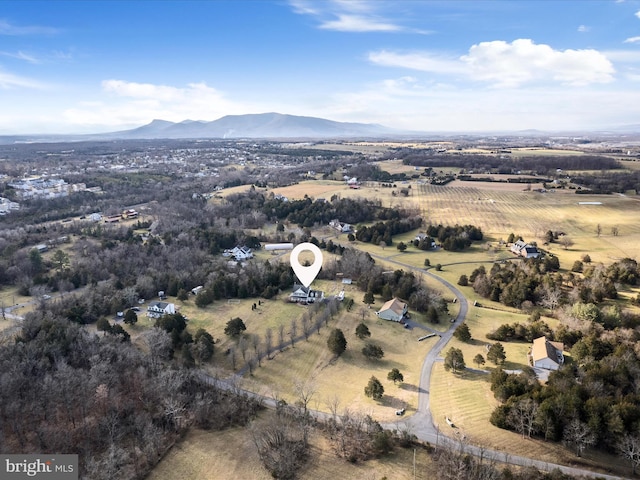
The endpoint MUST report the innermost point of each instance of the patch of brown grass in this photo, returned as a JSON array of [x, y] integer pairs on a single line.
[[209, 455]]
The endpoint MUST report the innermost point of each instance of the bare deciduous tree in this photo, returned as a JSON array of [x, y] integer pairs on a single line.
[[293, 331], [579, 435], [522, 417], [268, 342], [306, 325], [629, 448], [243, 345], [281, 337]]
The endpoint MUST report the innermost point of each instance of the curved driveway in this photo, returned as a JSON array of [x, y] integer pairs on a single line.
[[421, 423]]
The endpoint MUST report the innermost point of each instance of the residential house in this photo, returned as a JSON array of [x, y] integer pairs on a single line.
[[525, 250], [340, 226], [546, 354], [242, 253], [421, 237], [393, 310], [130, 213], [302, 294], [158, 309]]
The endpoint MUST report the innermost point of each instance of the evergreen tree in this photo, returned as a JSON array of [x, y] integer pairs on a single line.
[[336, 342], [131, 317], [374, 389], [372, 351], [496, 354], [362, 331], [395, 376], [454, 360], [462, 333]]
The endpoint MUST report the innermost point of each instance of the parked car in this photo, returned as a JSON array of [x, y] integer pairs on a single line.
[[400, 412]]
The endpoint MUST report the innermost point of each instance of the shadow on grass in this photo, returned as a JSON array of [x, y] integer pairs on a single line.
[[472, 375], [394, 402], [410, 387]]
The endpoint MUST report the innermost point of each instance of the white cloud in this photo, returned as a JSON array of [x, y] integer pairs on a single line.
[[433, 107], [10, 81], [638, 14], [512, 64], [303, 7], [347, 15], [21, 56], [132, 103], [7, 28], [583, 28], [421, 61], [358, 23], [632, 40], [504, 64]]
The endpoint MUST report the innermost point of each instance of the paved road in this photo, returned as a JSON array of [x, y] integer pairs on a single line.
[[421, 423]]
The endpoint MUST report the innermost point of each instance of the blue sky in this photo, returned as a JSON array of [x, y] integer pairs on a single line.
[[95, 66]]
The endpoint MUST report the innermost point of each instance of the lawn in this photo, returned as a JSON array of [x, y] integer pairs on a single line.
[[210, 455], [467, 400], [346, 376]]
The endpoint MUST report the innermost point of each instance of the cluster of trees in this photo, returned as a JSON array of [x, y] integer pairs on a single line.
[[307, 212], [608, 182], [457, 462], [545, 165], [455, 238], [592, 402], [533, 282], [119, 408], [382, 232], [519, 332]]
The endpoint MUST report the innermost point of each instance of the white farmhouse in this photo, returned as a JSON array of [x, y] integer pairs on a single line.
[[158, 309]]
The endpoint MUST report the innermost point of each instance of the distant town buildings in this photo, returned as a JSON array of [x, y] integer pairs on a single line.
[[39, 187], [7, 206]]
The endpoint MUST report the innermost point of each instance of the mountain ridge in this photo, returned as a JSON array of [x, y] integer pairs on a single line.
[[255, 125]]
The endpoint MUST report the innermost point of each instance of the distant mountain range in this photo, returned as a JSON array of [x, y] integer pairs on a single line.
[[261, 125], [282, 126]]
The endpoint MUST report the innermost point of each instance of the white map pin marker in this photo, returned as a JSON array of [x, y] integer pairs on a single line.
[[306, 274]]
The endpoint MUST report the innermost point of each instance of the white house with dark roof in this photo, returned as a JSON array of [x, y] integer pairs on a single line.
[[547, 354], [393, 310], [302, 294], [158, 309], [524, 249], [239, 253], [340, 226]]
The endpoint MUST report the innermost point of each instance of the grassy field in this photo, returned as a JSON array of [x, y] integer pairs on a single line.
[[498, 209], [468, 401], [310, 361], [207, 455]]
